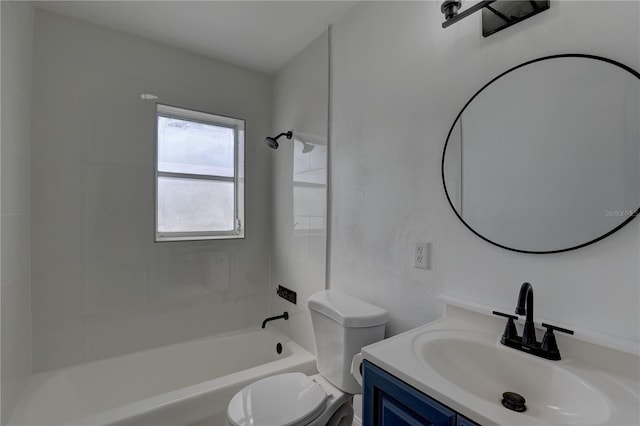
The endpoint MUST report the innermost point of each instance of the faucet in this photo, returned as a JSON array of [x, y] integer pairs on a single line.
[[284, 316], [548, 348], [526, 296]]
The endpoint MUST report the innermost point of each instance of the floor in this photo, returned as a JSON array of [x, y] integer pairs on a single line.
[[220, 420]]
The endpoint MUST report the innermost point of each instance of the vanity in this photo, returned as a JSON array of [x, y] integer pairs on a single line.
[[454, 371], [394, 402]]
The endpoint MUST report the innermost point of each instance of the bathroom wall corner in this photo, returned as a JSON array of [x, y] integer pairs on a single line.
[[17, 21]]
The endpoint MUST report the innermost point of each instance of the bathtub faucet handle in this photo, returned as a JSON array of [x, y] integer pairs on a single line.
[[284, 316]]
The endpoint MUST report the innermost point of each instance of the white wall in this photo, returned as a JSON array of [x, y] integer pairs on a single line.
[[15, 318], [101, 286], [399, 80], [300, 103]]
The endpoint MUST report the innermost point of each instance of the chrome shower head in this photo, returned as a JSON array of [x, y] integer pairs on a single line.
[[273, 142]]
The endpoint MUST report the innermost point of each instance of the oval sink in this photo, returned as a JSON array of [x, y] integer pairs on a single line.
[[479, 365]]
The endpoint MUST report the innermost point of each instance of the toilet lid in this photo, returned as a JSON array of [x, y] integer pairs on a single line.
[[282, 400]]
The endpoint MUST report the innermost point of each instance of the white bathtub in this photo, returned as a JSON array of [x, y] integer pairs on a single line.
[[173, 385]]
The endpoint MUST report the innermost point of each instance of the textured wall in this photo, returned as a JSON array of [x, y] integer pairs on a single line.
[[101, 286], [300, 99], [399, 82], [15, 281]]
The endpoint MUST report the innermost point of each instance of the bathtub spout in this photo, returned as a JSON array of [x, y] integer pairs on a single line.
[[284, 315]]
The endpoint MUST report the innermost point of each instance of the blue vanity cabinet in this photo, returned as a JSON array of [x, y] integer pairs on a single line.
[[463, 421], [388, 401]]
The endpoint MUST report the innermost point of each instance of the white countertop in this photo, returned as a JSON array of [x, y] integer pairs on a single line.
[[610, 372]]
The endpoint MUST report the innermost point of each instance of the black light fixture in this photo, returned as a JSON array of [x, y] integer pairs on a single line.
[[496, 14], [450, 8]]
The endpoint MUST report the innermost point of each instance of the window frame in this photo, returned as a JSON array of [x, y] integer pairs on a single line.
[[239, 126]]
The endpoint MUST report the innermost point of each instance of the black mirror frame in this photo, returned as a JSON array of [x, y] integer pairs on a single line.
[[444, 152]]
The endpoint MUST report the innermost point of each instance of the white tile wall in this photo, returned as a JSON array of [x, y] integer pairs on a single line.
[[136, 329], [15, 211], [16, 241], [176, 280], [114, 286], [64, 292], [16, 169], [101, 286], [59, 341], [57, 237], [299, 187]]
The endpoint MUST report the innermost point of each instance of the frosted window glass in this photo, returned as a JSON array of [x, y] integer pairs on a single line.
[[195, 205], [196, 148]]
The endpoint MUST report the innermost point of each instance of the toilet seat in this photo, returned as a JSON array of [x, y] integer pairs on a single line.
[[282, 400]]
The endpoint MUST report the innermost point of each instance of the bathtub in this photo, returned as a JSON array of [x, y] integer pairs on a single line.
[[181, 384]]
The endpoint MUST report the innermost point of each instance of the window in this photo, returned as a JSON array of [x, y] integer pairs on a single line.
[[199, 175]]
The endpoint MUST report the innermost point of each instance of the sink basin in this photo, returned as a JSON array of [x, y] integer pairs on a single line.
[[459, 362], [479, 365]]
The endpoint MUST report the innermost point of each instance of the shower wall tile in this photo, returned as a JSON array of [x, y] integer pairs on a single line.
[[300, 186], [119, 237], [119, 190], [16, 49], [298, 327], [120, 332], [16, 340], [101, 285], [16, 246], [58, 290], [16, 327], [60, 144], [16, 181], [58, 237], [318, 243], [308, 275], [212, 315], [130, 142], [16, 109], [112, 286], [279, 269], [182, 279], [282, 240], [300, 238], [59, 342], [17, 25], [60, 185]]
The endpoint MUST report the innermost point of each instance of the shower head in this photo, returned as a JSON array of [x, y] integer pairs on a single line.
[[273, 142]]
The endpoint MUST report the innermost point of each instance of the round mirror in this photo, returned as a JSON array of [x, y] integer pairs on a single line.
[[546, 157]]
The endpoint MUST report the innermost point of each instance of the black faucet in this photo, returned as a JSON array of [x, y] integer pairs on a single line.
[[548, 348], [285, 316], [526, 296]]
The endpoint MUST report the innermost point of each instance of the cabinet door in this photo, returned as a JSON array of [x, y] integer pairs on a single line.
[[388, 401], [463, 421]]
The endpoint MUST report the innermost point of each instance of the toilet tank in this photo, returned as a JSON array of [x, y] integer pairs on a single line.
[[342, 326]]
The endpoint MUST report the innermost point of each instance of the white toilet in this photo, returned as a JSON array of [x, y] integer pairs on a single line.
[[342, 325]]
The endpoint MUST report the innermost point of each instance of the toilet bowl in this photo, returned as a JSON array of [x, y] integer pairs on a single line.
[[342, 325], [290, 399]]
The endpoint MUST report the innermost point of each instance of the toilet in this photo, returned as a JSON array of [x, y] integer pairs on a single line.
[[342, 325]]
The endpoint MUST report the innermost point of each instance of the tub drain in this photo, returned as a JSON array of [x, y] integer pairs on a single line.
[[279, 348], [513, 401]]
